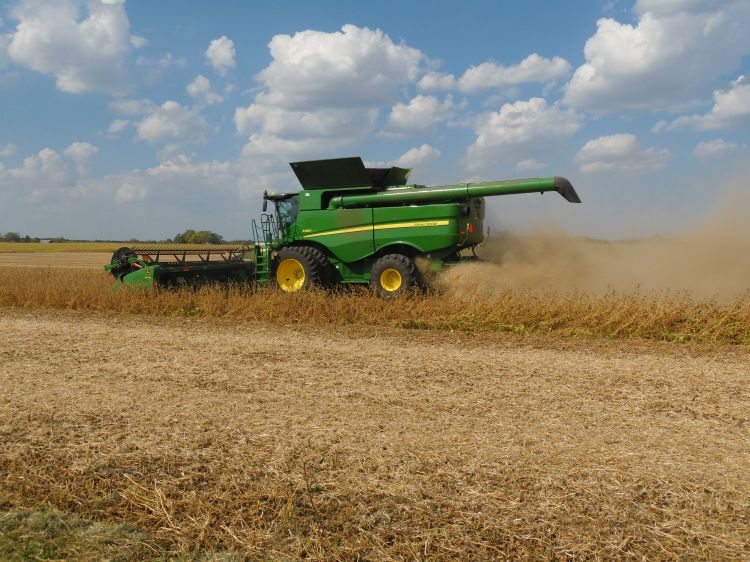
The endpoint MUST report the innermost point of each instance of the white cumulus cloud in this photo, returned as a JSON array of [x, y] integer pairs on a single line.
[[620, 153], [436, 81], [418, 157], [731, 109], [288, 134], [421, 159], [200, 89], [4, 57], [533, 68], [132, 107], [348, 68], [39, 172], [278, 149], [130, 192], [117, 126], [220, 55], [322, 92], [190, 188], [83, 45], [81, 153], [671, 7], [529, 165], [7, 150], [665, 60], [137, 41], [178, 181], [172, 122], [418, 117], [714, 149], [329, 123], [519, 130]]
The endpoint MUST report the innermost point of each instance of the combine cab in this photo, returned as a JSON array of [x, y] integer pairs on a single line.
[[348, 224]]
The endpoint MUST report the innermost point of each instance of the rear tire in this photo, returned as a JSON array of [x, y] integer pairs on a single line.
[[298, 268], [394, 275]]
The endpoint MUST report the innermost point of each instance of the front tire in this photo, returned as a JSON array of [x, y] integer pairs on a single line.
[[298, 268], [393, 275]]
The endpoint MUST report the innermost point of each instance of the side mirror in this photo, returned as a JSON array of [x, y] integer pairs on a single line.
[[265, 201]]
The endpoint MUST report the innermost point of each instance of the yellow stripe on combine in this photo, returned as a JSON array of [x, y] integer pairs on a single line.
[[340, 231], [409, 224], [419, 224]]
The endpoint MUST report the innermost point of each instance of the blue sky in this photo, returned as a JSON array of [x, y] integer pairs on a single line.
[[142, 119]]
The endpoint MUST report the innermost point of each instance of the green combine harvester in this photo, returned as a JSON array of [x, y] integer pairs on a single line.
[[349, 224]]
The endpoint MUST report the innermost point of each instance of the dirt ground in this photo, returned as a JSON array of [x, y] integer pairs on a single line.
[[337, 443]]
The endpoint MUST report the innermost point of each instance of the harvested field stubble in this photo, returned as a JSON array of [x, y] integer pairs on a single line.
[[65, 260], [289, 442], [41, 247], [669, 317]]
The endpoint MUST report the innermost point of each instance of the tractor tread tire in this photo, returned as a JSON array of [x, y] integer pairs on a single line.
[[404, 265], [326, 270], [314, 262]]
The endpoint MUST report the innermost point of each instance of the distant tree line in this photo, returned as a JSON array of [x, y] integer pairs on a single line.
[[15, 237], [191, 236]]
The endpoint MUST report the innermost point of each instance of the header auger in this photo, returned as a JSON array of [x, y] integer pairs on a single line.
[[349, 224]]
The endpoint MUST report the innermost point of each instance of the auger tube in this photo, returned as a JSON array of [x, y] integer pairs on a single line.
[[457, 192]]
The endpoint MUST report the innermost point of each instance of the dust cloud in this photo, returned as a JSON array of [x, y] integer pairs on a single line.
[[708, 260]]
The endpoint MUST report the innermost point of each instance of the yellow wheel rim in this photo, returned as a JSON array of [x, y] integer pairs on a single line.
[[390, 280], [290, 275]]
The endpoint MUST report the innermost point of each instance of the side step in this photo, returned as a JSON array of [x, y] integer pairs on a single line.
[[262, 260]]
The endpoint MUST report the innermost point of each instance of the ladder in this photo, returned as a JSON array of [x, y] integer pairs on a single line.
[[262, 263], [268, 231], [263, 238]]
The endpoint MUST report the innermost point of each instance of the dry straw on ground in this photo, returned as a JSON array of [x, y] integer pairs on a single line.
[[664, 316], [55, 247], [286, 442]]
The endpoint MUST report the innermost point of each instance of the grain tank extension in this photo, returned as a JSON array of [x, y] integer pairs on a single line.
[[353, 224]]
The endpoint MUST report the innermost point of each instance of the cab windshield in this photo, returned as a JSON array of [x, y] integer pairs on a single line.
[[286, 211]]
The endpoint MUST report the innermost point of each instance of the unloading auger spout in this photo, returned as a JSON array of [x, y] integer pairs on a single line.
[[457, 192]]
